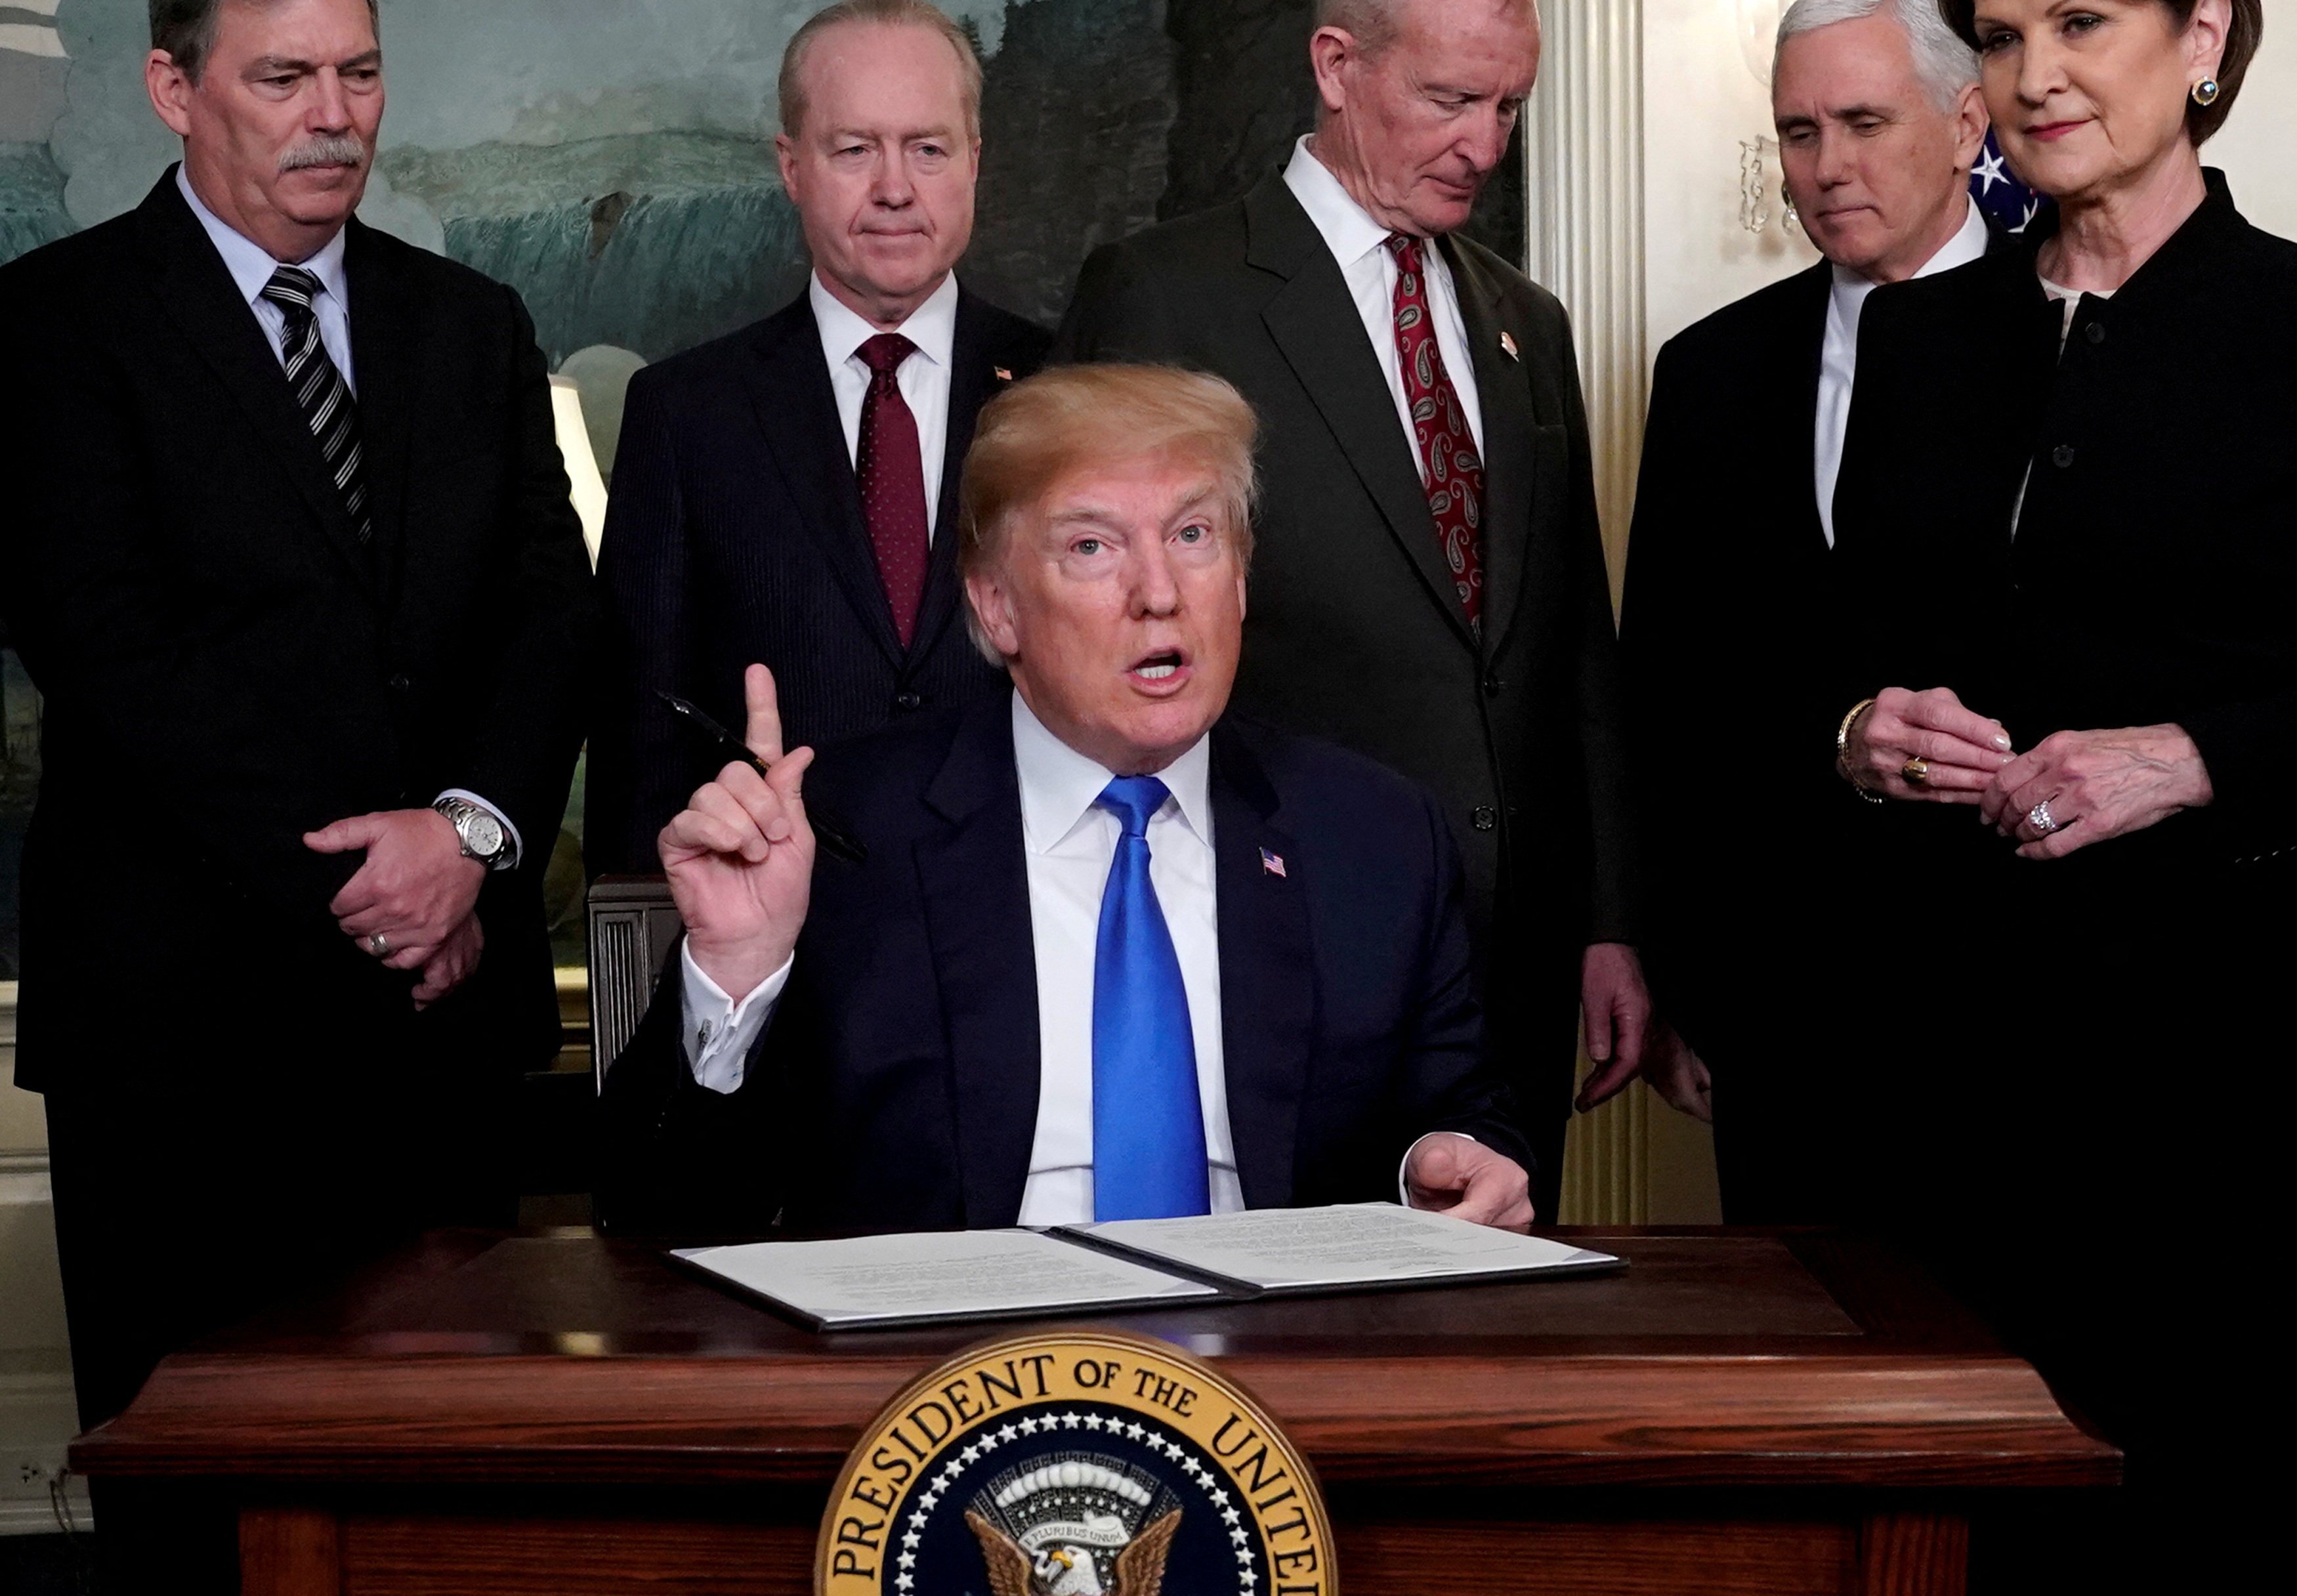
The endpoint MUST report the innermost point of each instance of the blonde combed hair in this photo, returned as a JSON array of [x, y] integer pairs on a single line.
[[1047, 426]]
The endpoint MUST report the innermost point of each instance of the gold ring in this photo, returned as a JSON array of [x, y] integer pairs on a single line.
[[1916, 771]]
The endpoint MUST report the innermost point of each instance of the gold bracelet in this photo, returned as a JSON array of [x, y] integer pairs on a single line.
[[1842, 752]]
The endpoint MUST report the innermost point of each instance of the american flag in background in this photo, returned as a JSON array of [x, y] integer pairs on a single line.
[[2010, 206]]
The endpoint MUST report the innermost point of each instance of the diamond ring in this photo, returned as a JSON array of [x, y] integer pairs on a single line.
[[2040, 819]]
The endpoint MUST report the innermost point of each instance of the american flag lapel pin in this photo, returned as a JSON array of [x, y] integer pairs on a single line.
[[1003, 375], [1508, 343], [1273, 863]]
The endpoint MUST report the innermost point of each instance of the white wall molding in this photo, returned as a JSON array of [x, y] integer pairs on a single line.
[[1584, 140]]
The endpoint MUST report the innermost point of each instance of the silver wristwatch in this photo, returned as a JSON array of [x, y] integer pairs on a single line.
[[484, 836]]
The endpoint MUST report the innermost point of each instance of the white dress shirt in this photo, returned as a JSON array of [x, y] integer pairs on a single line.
[[1069, 842], [1360, 246], [251, 267], [1837, 369], [923, 379]]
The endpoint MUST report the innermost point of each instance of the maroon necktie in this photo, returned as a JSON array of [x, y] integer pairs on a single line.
[[1453, 473], [893, 476]]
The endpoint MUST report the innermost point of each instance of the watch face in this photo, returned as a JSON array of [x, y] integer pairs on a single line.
[[483, 835]]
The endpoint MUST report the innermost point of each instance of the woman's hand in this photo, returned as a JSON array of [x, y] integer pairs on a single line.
[[2097, 784], [1960, 750]]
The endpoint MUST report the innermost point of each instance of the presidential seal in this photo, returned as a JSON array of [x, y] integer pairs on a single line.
[[1093, 1463]]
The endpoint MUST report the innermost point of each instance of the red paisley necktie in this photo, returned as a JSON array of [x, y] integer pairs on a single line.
[[1448, 461], [893, 478]]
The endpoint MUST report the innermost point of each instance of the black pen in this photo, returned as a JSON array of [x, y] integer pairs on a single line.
[[834, 835]]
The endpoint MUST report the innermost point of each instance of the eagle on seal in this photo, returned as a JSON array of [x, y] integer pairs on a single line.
[[1070, 1570]]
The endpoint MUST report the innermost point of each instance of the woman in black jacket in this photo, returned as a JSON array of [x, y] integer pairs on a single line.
[[2069, 513]]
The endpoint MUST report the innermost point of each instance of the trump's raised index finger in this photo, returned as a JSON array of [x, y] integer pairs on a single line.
[[763, 728]]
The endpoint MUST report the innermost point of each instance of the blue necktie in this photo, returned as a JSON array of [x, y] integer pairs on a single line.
[[1148, 1125]]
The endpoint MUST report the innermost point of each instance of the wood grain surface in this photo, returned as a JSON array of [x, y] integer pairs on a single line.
[[1716, 1360], [456, 1556]]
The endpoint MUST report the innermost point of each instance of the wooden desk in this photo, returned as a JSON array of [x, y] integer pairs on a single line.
[[1738, 1413]]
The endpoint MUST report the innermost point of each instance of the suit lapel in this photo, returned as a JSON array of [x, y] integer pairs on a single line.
[[387, 359], [1312, 321], [196, 291], [1520, 479], [972, 383], [1267, 964], [797, 415], [1802, 345], [974, 879]]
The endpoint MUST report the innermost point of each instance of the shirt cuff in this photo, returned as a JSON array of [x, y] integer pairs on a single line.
[[517, 847], [719, 1033], [1404, 1170]]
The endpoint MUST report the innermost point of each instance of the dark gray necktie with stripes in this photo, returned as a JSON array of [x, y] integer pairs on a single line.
[[320, 390]]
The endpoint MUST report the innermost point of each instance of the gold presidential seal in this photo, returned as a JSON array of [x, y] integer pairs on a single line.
[[1091, 1464]]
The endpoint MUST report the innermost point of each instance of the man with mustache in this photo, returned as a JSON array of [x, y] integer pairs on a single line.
[[787, 494], [292, 562], [1430, 588]]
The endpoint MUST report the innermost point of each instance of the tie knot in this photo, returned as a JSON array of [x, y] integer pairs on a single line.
[[1406, 249], [884, 353], [1133, 798], [293, 289]]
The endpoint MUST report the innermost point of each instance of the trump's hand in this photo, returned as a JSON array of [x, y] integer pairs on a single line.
[[416, 889], [1460, 1176], [2098, 785], [740, 855], [1960, 749]]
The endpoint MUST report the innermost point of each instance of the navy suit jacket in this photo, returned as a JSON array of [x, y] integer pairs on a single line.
[[896, 1087], [735, 534]]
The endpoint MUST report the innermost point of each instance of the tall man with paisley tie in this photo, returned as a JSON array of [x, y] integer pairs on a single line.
[[1429, 587], [291, 560]]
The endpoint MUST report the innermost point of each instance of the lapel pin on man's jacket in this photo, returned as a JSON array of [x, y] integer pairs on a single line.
[[1508, 343], [1273, 863], [1003, 375]]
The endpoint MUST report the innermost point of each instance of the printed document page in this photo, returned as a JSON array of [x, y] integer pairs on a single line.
[[1369, 1244], [941, 1275]]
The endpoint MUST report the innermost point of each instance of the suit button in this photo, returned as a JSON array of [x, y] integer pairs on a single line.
[[2063, 456], [401, 682], [1487, 818], [908, 701], [2095, 331], [1492, 686]]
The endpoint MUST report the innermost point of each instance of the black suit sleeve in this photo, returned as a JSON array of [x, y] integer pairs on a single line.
[[1601, 696], [88, 594], [1449, 1084], [1115, 314], [520, 731], [635, 762], [675, 1156]]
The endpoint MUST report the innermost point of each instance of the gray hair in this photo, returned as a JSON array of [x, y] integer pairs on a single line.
[[186, 30], [1943, 61], [1373, 23], [886, 14]]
